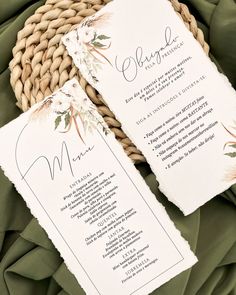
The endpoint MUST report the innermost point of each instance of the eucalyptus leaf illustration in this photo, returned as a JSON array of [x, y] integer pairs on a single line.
[[97, 44], [103, 37], [232, 155], [57, 121], [67, 120]]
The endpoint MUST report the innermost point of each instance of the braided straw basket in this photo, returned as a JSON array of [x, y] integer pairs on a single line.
[[41, 64]]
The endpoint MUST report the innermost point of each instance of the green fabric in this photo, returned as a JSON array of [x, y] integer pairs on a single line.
[[30, 264]]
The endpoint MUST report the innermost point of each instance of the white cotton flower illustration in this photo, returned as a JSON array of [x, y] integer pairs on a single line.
[[60, 105], [87, 34]]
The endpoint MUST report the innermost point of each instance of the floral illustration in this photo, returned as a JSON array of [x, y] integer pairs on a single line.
[[231, 174], [232, 143], [93, 44], [69, 112]]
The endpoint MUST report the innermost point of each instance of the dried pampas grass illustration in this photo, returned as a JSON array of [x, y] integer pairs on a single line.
[[231, 173], [97, 21]]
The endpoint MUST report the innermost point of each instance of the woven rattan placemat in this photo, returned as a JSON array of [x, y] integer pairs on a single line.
[[41, 64]]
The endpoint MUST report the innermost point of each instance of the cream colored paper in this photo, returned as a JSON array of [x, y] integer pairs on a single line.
[[171, 100], [90, 199]]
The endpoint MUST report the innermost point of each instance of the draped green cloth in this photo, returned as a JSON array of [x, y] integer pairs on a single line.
[[29, 262]]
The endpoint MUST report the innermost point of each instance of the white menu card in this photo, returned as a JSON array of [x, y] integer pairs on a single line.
[[75, 177]]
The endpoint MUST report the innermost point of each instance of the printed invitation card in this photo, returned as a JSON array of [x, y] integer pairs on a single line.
[[169, 97], [94, 205]]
